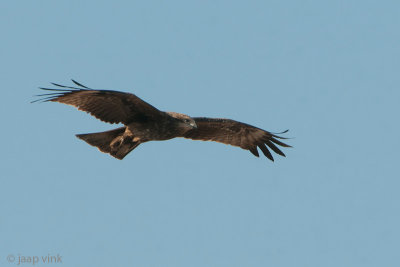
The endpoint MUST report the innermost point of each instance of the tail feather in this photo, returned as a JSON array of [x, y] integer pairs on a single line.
[[112, 142]]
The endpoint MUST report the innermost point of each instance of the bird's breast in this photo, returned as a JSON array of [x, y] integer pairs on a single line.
[[152, 131]]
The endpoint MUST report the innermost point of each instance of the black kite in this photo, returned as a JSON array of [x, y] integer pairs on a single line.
[[144, 123]]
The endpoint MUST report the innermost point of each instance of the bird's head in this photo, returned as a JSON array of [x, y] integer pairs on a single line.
[[184, 120]]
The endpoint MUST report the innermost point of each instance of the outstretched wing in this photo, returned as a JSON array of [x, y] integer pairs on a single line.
[[237, 134], [106, 105]]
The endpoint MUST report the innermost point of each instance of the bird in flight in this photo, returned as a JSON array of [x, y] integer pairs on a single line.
[[143, 122]]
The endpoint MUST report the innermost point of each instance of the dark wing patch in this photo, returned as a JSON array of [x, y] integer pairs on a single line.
[[237, 134], [106, 105]]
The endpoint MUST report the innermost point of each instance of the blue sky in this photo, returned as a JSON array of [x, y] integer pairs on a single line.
[[326, 70]]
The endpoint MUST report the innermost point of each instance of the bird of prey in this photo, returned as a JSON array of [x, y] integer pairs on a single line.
[[143, 122]]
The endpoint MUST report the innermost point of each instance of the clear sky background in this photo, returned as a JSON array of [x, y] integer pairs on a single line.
[[326, 70]]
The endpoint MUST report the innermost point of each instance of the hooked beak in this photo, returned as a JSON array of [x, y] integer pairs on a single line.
[[193, 125]]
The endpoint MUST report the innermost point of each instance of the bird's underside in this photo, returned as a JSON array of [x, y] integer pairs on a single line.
[[143, 122]]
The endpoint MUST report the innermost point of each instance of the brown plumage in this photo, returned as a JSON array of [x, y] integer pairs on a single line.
[[144, 123]]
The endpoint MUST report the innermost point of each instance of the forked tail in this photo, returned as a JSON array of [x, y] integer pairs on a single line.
[[112, 142]]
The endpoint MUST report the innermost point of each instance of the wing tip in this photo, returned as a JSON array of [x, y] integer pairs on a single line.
[[58, 92], [266, 152], [79, 84], [254, 151]]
